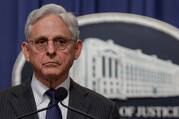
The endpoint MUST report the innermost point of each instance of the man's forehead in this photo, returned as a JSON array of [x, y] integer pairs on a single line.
[[50, 26]]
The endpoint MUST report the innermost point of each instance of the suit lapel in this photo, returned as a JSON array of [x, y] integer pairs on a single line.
[[22, 100], [78, 100]]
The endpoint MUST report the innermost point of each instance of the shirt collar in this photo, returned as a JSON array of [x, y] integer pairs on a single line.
[[39, 88]]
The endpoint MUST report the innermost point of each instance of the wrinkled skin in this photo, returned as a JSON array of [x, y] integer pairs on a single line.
[[51, 67]]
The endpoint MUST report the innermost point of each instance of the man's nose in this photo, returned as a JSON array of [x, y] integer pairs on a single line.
[[51, 49]]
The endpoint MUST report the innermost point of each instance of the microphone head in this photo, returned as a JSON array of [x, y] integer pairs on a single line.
[[61, 94]]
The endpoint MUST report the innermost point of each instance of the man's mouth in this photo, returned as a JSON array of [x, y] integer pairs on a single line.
[[50, 64]]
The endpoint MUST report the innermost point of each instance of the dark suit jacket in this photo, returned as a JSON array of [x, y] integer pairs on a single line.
[[19, 100]]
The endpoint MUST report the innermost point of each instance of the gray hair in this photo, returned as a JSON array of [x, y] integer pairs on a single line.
[[49, 9]]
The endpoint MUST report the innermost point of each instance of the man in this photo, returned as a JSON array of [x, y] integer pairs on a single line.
[[52, 45]]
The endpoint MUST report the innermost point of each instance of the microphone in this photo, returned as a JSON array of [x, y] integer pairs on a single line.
[[60, 96], [65, 93]]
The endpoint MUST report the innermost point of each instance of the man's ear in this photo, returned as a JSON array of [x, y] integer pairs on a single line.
[[78, 48], [25, 50]]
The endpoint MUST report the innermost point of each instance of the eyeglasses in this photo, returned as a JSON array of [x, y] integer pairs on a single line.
[[60, 44]]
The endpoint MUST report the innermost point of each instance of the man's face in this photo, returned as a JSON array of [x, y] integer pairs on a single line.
[[51, 62]]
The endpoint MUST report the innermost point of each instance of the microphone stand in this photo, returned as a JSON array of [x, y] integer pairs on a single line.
[[70, 108], [31, 113], [60, 98], [78, 111]]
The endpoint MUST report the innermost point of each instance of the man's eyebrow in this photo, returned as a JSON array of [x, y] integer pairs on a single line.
[[56, 37], [60, 36], [41, 38]]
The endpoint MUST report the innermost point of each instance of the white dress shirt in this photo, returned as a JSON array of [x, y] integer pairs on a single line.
[[42, 100]]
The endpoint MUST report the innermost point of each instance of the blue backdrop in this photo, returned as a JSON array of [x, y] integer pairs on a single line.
[[14, 13]]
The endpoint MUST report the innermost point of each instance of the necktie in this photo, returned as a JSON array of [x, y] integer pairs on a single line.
[[54, 112]]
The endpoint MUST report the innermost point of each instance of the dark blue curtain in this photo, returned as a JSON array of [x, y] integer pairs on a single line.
[[14, 13]]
